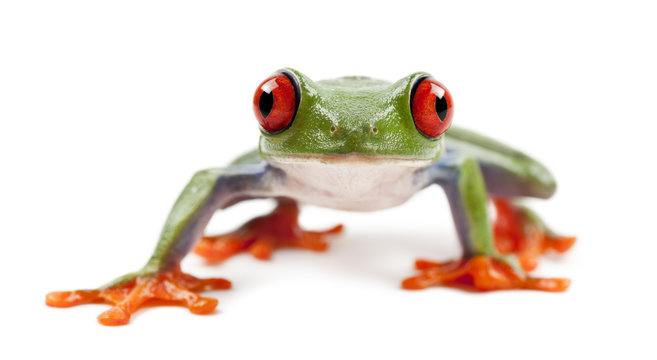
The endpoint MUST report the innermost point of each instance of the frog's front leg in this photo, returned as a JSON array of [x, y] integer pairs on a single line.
[[482, 266], [161, 278]]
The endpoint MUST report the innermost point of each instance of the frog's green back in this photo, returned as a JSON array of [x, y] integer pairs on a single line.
[[519, 169]]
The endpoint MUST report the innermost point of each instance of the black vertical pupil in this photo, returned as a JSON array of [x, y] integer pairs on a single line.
[[266, 103], [441, 108]]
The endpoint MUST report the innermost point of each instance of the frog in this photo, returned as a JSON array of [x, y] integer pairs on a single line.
[[353, 143]]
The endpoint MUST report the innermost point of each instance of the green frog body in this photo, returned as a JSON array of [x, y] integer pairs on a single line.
[[356, 144]]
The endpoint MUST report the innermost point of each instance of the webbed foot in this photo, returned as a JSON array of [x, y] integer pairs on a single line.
[[263, 234], [480, 273], [133, 291], [521, 232]]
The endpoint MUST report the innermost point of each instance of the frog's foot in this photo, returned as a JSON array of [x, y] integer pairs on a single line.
[[133, 291], [479, 273], [263, 234], [519, 231]]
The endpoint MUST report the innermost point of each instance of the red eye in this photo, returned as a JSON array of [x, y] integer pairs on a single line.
[[431, 105], [275, 103]]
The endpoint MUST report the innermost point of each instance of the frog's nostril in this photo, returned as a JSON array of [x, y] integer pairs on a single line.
[[373, 129], [334, 128]]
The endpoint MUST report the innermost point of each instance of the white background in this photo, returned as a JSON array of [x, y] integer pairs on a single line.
[[108, 108]]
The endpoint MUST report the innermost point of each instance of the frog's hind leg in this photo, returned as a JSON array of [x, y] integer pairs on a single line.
[[518, 230], [482, 267], [260, 236], [510, 175]]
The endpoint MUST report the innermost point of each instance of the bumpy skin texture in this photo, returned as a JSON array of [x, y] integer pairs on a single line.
[[341, 123]]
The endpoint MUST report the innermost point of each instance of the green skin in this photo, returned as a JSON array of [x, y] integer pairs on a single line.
[[354, 105], [361, 118]]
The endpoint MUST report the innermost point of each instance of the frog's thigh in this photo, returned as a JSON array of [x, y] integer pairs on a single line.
[[513, 179], [507, 171]]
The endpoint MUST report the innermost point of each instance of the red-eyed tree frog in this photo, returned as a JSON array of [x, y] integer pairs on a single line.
[[357, 144]]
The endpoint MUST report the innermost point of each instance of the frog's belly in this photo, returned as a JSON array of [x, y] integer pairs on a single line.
[[352, 185]]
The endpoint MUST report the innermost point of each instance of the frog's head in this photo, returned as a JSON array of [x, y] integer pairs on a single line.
[[356, 118]]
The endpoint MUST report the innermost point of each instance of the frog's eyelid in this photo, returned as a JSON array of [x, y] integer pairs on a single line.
[[297, 88], [415, 83]]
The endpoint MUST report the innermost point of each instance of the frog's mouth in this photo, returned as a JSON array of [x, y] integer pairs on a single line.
[[348, 159]]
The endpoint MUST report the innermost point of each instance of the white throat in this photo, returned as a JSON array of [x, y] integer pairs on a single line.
[[351, 182]]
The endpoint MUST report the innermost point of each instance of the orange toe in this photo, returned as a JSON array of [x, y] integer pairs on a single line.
[[517, 233], [115, 316], [264, 234], [216, 249], [479, 273], [71, 298], [561, 244], [172, 286], [261, 249]]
